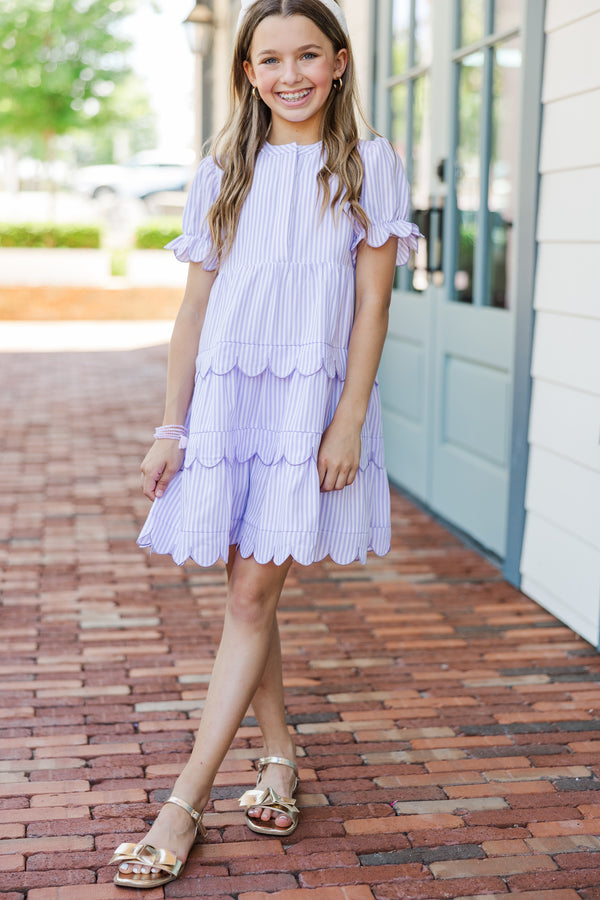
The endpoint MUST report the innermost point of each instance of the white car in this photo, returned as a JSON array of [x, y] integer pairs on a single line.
[[148, 172]]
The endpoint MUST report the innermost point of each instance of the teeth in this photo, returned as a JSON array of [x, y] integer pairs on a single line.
[[298, 95]]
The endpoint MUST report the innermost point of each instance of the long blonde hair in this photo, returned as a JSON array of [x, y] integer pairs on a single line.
[[238, 144]]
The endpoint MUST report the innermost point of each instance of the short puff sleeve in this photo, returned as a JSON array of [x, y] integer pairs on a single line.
[[195, 244], [386, 200]]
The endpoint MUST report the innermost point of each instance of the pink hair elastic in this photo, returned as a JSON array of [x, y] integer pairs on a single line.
[[172, 433]]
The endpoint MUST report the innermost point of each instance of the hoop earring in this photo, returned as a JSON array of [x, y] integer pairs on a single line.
[[338, 85], [255, 93]]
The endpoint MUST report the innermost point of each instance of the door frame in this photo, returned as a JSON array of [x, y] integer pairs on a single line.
[[527, 187]]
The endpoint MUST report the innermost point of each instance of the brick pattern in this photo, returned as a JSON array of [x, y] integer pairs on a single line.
[[447, 727]]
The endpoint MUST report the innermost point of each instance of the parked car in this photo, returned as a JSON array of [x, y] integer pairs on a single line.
[[148, 172]]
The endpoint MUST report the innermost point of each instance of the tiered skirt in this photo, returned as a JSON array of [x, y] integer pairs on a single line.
[[250, 475]]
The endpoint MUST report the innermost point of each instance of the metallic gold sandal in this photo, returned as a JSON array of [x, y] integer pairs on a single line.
[[147, 855], [270, 799]]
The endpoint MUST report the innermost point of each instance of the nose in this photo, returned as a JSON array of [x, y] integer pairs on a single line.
[[291, 73]]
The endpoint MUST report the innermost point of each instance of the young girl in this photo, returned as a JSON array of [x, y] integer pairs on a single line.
[[271, 448]]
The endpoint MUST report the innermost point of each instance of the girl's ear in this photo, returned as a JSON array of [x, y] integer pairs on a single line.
[[341, 61], [248, 69]]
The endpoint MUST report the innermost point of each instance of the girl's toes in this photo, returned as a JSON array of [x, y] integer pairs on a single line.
[[283, 821], [124, 867]]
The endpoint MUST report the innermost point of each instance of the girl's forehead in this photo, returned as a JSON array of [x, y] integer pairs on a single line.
[[287, 33]]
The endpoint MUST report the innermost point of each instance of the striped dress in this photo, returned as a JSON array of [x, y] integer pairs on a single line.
[[270, 370]]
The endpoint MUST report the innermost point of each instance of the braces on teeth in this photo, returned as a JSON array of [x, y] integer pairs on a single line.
[[296, 95]]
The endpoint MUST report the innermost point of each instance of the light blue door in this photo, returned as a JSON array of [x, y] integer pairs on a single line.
[[450, 96], [405, 61]]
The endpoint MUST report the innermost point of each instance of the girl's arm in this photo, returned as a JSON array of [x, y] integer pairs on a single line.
[[339, 453], [164, 459]]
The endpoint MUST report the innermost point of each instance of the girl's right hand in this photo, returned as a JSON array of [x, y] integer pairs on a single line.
[[163, 460]]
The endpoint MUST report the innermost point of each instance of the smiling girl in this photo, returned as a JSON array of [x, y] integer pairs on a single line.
[[271, 448]]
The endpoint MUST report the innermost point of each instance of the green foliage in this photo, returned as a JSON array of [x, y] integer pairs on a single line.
[[130, 113], [118, 263], [154, 234], [60, 63], [39, 234]]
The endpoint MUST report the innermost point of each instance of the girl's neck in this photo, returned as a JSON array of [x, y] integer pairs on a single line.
[[285, 133]]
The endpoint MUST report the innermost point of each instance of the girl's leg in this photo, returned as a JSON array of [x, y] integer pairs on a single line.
[[252, 597], [269, 708], [268, 705]]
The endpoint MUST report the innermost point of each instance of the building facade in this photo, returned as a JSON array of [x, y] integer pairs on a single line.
[[490, 377]]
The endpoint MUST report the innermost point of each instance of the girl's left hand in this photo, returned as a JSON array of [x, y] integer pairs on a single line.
[[339, 454]]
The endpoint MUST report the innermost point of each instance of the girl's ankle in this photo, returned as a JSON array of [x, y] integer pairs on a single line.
[[288, 753], [185, 789]]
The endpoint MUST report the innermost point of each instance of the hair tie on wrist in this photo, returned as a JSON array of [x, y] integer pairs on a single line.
[[172, 433]]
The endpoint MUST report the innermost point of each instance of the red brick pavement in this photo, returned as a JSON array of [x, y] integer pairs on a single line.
[[422, 680]]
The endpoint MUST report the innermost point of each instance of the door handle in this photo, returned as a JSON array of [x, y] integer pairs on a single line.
[[431, 225]]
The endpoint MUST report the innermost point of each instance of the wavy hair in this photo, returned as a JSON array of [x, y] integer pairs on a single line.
[[237, 146]]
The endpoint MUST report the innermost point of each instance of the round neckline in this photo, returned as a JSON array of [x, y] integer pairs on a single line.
[[292, 146]]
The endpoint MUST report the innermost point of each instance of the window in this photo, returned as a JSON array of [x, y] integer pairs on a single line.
[[409, 87], [487, 61]]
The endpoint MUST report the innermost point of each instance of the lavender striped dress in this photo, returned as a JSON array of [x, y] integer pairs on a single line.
[[270, 370]]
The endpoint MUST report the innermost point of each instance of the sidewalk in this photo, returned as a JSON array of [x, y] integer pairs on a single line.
[[422, 678]]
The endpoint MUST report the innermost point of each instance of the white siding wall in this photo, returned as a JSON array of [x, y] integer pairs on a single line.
[[561, 553]]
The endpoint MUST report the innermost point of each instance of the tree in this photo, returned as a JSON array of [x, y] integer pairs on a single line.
[[61, 62]]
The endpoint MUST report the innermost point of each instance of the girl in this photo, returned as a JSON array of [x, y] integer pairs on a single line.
[[271, 449]]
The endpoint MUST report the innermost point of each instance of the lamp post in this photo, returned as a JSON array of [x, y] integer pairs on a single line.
[[199, 30]]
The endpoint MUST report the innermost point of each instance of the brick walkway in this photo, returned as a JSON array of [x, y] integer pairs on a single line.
[[422, 680]]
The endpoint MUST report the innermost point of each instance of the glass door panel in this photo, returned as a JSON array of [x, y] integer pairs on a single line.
[[507, 14], [503, 164], [411, 136], [487, 97], [401, 30], [400, 100], [411, 55], [423, 33], [468, 174], [471, 21]]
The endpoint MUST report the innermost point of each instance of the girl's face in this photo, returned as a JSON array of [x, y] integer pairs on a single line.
[[293, 66]]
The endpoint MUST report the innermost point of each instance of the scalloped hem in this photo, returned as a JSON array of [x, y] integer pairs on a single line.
[[209, 449], [261, 546], [271, 512], [256, 359]]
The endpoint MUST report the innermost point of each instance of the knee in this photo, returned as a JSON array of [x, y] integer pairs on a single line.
[[250, 608]]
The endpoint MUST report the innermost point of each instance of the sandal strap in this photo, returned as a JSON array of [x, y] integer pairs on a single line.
[[279, 760], [264, 761], [196, 816]]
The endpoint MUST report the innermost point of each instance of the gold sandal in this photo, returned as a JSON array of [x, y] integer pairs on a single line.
[[147, 855], [270, 799]]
